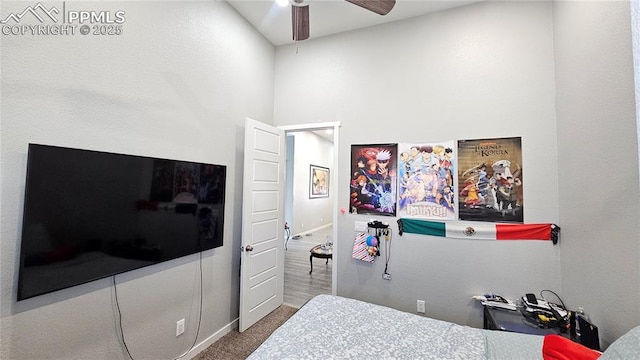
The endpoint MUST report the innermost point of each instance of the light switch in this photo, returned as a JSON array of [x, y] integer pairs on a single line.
[[361, 226]]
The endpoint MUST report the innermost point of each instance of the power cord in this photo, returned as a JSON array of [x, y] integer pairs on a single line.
[[115, 289], [559, 320], [199, 316], [387, 253], [556, 295]]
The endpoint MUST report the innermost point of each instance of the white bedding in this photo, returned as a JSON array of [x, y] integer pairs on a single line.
[[332, 327]]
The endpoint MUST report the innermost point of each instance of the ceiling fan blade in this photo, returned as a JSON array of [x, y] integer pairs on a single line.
[[300, 20], [381, 7]]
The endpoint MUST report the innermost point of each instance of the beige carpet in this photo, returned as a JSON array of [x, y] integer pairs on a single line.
[[236, 345]]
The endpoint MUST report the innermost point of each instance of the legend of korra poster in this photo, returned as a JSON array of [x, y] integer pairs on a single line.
[[490, 180], [373, 179]]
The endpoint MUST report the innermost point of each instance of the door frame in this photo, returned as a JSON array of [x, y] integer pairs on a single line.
[[333, 189]]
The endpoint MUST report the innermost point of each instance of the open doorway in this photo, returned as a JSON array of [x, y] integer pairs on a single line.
[[310, 211]]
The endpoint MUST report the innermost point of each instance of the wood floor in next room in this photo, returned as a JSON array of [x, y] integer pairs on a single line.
[[299, 285]]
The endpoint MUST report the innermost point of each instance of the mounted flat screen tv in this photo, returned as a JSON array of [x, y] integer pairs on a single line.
[[90, 215]]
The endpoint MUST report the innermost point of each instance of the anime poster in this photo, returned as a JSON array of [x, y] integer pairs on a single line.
[[426, 187], [373, 179], [490, 180]]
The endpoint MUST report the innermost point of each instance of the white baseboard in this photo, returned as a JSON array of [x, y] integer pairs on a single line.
[[291, 305], [313, 230], [211, 339]]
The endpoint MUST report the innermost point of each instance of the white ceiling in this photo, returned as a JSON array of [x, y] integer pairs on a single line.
[[328, 17]]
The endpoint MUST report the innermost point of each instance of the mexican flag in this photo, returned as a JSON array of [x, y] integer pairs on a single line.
[[488, 231]]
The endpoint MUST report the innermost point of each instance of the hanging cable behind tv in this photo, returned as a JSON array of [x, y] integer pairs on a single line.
[[119, 313]]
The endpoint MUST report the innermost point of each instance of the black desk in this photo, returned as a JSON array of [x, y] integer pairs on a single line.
[[514, 321]]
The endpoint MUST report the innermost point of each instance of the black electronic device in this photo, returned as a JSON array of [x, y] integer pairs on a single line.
[[90, 214], [589, 336], [531, 298], [544, 313], [376, 224]]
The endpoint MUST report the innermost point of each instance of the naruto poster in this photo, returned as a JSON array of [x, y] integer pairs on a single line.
[[490, 180], [426, 180], [373, 179]]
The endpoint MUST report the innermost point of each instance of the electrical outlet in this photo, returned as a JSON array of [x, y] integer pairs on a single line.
[[179, 327], [421, 307]]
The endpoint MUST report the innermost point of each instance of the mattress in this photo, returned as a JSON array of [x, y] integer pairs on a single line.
[[333, 327]]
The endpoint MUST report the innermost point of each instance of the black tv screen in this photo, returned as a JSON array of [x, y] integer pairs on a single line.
[[90, 215]]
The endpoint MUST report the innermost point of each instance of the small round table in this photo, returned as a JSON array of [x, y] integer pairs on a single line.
[[320, 251]]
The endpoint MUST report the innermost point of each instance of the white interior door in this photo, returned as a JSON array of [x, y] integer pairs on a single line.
[[262, 259]]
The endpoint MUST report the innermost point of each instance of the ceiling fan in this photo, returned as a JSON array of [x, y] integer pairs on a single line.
[[300, 13]]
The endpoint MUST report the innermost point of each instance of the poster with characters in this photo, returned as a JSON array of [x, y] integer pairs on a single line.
[[426, 180], [490, 180], [373, 179]]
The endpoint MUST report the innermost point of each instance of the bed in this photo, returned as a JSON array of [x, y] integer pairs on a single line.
[[333, 327]]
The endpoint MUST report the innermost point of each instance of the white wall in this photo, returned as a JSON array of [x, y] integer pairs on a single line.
[[598, 162], [309, 214], [484, 70], [178, 84], [635, 29]]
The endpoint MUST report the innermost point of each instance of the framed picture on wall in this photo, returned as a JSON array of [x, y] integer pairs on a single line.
[[318, 182]]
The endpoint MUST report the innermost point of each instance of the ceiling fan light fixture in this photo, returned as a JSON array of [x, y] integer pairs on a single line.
[[300, 13], [300, 22], [380, 7]]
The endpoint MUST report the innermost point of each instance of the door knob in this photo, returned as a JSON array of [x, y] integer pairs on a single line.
[[249, 248]]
